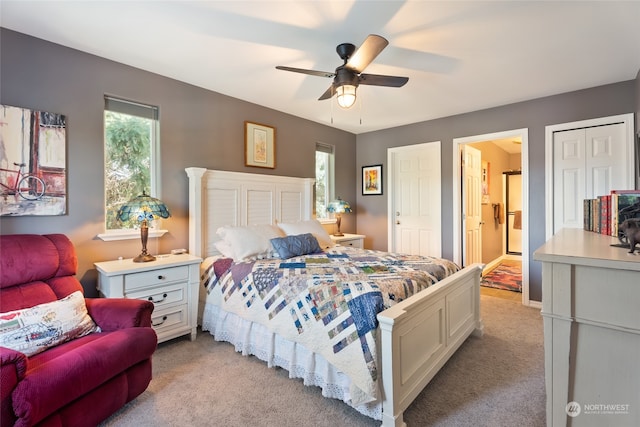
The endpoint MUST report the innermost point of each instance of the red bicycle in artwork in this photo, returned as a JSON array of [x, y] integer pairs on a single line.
[[29, 187]]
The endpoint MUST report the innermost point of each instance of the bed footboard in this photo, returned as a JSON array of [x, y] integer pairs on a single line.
[[421, 333]]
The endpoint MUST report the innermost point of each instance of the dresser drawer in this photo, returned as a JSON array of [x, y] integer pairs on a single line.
[[162, 296], [155, 277], [169, 318]]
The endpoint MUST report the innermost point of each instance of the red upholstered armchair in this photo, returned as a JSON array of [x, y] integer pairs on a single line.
[[81, 381]]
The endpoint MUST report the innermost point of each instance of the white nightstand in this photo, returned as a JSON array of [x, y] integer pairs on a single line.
[[355, 240], [171, 282]]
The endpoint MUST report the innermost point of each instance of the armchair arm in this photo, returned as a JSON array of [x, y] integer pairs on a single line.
[[118, 313], [13, 367]]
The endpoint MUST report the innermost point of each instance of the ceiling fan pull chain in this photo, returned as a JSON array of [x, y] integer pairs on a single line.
[[331, 103]]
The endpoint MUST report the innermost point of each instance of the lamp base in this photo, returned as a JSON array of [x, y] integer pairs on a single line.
[[144, 257], [144, 235], [338, 221]]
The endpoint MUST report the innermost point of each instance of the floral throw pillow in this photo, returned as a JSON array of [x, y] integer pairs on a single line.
[[33, 330]]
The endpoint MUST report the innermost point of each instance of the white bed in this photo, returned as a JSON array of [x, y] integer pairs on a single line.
[[417, 335]]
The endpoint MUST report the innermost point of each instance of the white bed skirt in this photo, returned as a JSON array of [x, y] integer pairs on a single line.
[[254, 339]]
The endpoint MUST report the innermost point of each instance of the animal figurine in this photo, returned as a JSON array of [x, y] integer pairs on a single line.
[[631, 230]]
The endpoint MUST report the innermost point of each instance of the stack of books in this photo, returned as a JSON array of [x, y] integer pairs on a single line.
[[605, 214]]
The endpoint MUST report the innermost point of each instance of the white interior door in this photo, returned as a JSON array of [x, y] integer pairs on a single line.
[[569, 178], [415, 200], [587, 163], [471, 205]]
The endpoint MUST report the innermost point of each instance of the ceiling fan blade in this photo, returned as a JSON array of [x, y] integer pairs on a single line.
[[379, 80], [305, 71], [367, 52], [328, 93]]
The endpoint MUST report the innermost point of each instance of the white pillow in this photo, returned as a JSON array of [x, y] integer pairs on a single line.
[[225, 249], [35, 329], [250, 242], [310, 226]]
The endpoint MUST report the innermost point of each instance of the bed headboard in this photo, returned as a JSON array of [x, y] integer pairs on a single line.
[[218, 198]]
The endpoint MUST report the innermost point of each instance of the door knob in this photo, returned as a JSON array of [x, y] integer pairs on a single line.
[[398, 222]]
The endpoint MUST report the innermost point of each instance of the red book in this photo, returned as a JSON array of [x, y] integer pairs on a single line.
[[606, 215]]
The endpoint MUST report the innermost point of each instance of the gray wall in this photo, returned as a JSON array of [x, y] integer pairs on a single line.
[[197, 128], [586, 104], [204, 128]]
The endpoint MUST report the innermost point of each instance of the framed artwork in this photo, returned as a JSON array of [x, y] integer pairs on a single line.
[[259, 145], [486, 182], [371, 180], [33, 165]]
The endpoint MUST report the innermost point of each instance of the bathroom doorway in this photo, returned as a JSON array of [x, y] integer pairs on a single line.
[[504, 222]]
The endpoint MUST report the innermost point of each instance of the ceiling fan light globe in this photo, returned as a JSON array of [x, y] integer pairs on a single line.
[[346, 95]]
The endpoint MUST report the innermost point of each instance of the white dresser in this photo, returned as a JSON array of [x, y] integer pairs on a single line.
[[591, 315], [170, 282]]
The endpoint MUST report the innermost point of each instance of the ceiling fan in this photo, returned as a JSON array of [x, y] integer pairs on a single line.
[[349, 75]]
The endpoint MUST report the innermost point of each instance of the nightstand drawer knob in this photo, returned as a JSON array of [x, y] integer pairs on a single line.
[[161, 277], [164, 296], [164, 318]]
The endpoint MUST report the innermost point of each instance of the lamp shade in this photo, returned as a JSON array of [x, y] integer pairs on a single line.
[[339, 206], [143, 207], [346, 95]]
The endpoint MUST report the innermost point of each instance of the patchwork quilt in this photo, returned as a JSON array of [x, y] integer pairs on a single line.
[[327, 301]]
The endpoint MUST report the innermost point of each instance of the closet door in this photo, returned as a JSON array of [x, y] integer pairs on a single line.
[[606, 160], [569, 186], [587, 163]]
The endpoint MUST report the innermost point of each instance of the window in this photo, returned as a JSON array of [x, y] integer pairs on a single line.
[[130, 141], [324, 178]]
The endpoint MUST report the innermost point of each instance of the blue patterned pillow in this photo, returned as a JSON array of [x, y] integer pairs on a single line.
[[291, 246]]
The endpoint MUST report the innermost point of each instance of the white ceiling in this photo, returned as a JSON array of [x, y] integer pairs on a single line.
[[459, 56]]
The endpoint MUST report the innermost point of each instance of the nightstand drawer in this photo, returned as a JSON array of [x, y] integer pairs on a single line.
[[354, 240], [162, 296], [155, 277], [169, 318], [356, 243]]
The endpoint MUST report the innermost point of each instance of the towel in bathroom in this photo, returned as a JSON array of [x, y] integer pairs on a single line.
[[517, 220]]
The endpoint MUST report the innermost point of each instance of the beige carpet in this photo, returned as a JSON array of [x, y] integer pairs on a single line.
[[496, 380]]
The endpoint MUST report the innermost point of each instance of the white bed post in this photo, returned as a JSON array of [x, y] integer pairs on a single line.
[[196, 220], [419, 335], [392, 416]]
